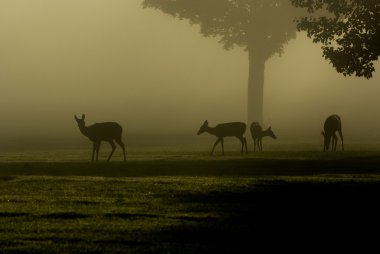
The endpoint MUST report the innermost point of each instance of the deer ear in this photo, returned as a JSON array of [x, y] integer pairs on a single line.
[[76, 118], [205, 123], [83, 116], [270, 127]]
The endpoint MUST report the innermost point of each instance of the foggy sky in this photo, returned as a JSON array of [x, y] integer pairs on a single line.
[[115, 61]]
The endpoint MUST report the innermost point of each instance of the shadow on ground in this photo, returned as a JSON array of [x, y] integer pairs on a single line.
[[319, 214]]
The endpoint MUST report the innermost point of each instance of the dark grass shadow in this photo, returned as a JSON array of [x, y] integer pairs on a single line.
[[59, 240], [65, 215], [226, 166], [84, 202], [7, 178], [13, 214], [195, 219], [130, 216], [13, 201], [279, 210], [121, 242]]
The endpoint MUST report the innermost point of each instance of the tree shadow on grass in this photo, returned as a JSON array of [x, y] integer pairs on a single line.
[[279, 210]]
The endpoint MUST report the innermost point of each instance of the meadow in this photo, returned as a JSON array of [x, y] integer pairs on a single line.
[[184, 201]]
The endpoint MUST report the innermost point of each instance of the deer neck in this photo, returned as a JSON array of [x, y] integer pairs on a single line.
[[265, 133], [84, 130], [212, 130]]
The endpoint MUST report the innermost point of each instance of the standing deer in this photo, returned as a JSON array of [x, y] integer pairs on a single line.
[[257, 134], [99, 132], [332, 124], [234, 129]]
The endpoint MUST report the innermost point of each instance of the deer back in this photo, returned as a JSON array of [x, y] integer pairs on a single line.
[[229, 129], [104, 131], [256, 130], [332, 124]]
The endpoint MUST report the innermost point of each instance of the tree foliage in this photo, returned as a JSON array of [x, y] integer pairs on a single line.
[[266, 24], [349, 31]]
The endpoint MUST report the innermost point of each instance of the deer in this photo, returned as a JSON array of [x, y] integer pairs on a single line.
[[257, 134], [98, 132], [232, 129], [332, 124]]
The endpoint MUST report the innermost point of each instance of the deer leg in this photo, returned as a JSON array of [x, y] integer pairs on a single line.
[[260, 144], [334, 142], [97, 150], [242, 143], [222, 143], [245, 143], [216, 142], [93, 151], [113, 149], [122, 146], [341, 138]]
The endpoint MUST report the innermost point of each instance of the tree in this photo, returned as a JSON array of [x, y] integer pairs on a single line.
[[349, 31], [261, 27]]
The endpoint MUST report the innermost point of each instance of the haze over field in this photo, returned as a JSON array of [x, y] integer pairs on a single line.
[[115, 61]]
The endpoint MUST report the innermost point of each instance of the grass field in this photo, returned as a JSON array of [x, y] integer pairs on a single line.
[[183, 202]]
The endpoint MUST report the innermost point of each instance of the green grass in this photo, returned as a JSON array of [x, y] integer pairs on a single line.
[[104, 214], [182, 202]]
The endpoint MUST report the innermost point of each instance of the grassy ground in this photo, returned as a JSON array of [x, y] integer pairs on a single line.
[[186, 203]]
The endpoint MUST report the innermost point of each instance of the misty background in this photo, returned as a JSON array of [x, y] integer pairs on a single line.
[[159, 78]]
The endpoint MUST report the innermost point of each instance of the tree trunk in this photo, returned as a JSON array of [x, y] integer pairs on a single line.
[[255, 86]]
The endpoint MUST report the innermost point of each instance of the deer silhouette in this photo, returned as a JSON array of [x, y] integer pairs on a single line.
[[257, 134], [233, 129], [332, 124], [99, 132]]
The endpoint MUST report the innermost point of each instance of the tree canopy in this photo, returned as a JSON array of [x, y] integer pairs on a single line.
[[265, 23], [261, 27], [349, 31]]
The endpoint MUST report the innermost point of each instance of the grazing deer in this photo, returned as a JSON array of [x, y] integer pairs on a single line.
[[332, 124], [99, 132], [234, 129], [257, 134]]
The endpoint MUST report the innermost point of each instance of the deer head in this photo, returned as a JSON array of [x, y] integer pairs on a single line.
[[203, 127], [327, 139], [270, 133], [80, 121]]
